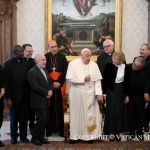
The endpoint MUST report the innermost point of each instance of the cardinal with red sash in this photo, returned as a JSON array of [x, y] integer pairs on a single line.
[[57, 68]]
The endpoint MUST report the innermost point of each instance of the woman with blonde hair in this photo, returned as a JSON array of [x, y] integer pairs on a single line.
[[115, 120]]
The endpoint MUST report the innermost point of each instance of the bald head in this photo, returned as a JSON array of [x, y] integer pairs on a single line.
[[52, 46], [40, 60], [86, 55]]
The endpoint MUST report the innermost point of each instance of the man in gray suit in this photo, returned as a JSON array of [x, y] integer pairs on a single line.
[[41, 92]]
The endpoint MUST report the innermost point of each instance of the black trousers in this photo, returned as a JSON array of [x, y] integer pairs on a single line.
[[1, 112], [19, 115], [42, 116], [31, 118], [147, 115], [136, 114]]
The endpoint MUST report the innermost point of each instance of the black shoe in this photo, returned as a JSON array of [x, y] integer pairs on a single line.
[[24, 140], [140, 137], [89, 142], [61, 134], [146, 129], [131, 137], [118, 138], [1, 144], [73, 141], [36, 142], [112, 137], [13, 141], [44, 141]]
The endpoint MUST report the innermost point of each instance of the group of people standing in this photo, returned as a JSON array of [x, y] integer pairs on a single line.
[[33, 93], [34, 90], [123, 89], [126, 89]]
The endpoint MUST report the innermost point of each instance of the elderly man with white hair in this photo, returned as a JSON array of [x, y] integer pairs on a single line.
[[84, 93], [105, 56], [41, 91]]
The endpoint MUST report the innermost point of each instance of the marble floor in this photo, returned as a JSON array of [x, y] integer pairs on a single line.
[[5, 133]]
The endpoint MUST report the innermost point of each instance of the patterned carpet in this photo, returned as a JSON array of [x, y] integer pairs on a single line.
[[59, 145], [98, 145]]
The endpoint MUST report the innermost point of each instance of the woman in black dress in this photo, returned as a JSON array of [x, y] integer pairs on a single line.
[[115, 118]]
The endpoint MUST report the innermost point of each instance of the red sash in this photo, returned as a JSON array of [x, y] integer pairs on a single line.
[[55, 76]]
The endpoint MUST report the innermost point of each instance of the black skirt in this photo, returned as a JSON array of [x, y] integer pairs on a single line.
[[116, 113]]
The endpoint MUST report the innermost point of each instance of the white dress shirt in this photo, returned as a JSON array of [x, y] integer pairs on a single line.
[[120, 73]]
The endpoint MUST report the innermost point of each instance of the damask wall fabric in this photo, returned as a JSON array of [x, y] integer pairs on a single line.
[[135, 27], [31, 25]]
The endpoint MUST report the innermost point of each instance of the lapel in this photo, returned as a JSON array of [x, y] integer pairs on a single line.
[[46, 73], [40, 75]]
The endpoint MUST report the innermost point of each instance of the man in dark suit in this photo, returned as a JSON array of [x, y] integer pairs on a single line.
[[145, 53], [104, 58], [15, 72], [134, 89], [41, 91], [2, 91], [28, 51]]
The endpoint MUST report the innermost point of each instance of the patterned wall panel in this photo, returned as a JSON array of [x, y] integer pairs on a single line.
[[135, 27], [31, 23]]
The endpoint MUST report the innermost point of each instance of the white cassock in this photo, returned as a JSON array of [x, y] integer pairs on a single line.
[[85, 116]]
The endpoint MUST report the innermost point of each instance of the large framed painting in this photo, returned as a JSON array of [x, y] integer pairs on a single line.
[[77, 24]]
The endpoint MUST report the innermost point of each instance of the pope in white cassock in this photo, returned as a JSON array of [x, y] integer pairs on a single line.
[[85, 91]]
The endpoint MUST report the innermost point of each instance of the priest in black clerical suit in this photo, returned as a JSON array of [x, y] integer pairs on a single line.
[[134, 89], [57, 67]]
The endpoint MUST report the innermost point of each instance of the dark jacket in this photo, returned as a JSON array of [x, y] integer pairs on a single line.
[[29, 64], [109, 77], [147, 75], [39, 88], [1, 77], [102, 60], [134, 81], [15, 72]]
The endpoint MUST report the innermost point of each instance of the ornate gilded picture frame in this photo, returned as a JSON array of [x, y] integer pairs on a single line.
[[82, 21]]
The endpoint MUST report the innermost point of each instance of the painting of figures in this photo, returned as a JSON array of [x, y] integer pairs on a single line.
[[82, 23]]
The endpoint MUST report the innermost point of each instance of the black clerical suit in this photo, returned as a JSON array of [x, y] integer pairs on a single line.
[[56, 119], [135, 88], [31, 116], [147, 90], [15, 71], [40, 85], [102, 60]]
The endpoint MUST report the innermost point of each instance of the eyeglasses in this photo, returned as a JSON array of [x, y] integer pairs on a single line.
[[106, 46], [53, 46]]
